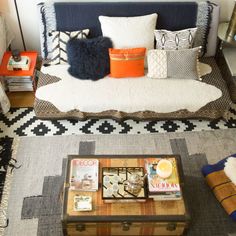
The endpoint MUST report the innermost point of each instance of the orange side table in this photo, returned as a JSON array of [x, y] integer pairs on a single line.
[[5, 73]]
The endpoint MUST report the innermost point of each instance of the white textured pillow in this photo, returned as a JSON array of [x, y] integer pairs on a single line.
[[59, 40], [174, 40], [130, 32]]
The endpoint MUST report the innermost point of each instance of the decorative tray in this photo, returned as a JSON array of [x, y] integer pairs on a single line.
[[116, 184]]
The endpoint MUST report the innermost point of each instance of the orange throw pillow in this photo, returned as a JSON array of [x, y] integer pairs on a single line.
[[127, 62]]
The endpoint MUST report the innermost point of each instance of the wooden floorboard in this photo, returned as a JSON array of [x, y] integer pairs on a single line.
[[21, 99]]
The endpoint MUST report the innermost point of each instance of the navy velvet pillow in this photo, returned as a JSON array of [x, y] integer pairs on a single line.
[[89, 58]]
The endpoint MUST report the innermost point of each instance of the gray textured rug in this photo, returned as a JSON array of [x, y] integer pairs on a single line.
[[34, 207]]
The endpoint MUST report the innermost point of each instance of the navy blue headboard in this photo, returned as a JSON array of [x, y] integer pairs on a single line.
[[80, 15], [84, 15]]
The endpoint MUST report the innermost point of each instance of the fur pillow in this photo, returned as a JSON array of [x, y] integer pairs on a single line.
[[89, 58]]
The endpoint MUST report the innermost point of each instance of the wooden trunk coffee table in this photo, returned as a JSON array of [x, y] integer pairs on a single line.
[[123, 218]]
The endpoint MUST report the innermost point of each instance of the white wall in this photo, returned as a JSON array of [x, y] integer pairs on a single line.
[[28, 15]]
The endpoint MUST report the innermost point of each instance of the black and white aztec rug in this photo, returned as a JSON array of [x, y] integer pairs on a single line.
[[23, 122]]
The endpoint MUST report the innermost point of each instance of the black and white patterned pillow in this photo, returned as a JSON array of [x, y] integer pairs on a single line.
[[174, 40], [59, 40], [179, 64]]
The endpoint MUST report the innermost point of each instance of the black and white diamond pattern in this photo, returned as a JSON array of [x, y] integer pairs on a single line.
[[22, 122], [174, 40]]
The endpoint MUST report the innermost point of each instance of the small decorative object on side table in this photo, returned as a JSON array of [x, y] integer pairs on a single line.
[[227, 30], [226, 58], [224, 37], [19, 77]]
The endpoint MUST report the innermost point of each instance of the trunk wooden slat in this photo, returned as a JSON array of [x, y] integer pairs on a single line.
[[123, 218]]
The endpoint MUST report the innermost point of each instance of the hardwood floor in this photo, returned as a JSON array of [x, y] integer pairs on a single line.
[[21, 99]]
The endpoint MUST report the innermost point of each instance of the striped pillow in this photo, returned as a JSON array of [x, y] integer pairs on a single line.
[[59, 40]]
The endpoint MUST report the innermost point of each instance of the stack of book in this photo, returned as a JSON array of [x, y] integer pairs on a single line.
[[19, 83], [160, 188]]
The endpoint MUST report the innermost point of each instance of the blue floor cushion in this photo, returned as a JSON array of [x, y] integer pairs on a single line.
[[221, 185]]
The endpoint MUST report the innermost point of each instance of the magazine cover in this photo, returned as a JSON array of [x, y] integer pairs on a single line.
[[84, 174], [164, 177]]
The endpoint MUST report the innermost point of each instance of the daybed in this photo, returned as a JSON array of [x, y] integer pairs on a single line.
[[59, 95]]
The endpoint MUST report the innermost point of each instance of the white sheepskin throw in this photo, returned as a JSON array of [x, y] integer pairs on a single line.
[[230, 169], [126, 94]]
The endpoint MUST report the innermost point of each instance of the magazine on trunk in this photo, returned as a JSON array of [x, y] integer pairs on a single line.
[[158, 183], [84, 174]]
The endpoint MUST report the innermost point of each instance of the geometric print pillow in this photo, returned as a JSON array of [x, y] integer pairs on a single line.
[[179, 64], [59, 40], [174, 40]]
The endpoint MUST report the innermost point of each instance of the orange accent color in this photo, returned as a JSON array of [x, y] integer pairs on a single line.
[[5, 72], [127, 62], [216, 178]]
